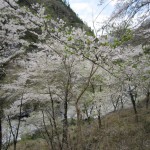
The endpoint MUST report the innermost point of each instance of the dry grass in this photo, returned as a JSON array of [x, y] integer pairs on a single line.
[[38, 144], [119, 131]]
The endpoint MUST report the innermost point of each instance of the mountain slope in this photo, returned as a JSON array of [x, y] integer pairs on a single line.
[[59, 9]]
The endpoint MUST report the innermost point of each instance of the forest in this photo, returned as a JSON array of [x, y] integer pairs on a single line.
[[65, 87]]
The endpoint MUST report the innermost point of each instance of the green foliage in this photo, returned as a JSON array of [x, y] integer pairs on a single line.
[[126, 37], [30, 37], [104, 44], [48, 16], [135, 66], [59, 9], [122, 34], [31, 48], [69, 38], [88, 42], [146, 49], [118, 62], [72, 121], [68, 52]]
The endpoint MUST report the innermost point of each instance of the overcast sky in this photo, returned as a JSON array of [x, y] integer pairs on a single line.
[[88, 10]]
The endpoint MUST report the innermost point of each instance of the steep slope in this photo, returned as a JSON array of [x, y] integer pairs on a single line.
[[59, 9], [118, 131]]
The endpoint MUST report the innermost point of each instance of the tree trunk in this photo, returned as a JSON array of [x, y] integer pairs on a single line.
[[50, 138], [1, 116], [99, 121], [79, 131], [54, 121], [15, 145], [147, 99], [99, 116], [65, 120], [121, 102], [86, 113], [133, 102], [65, 125], [134, 105], [0, 130]]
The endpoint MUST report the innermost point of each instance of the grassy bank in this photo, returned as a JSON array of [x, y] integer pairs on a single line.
[[119, 131]]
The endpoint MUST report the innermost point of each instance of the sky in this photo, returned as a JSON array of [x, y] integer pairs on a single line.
[[88, 10]]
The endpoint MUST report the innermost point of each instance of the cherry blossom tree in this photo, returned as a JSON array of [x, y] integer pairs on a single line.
[[17, 24], [131, 10], [69, 66]]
